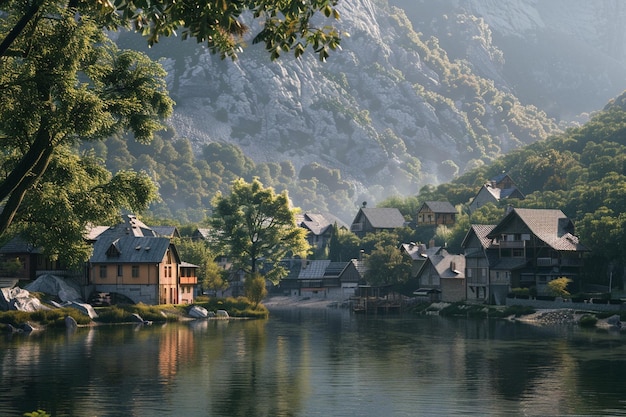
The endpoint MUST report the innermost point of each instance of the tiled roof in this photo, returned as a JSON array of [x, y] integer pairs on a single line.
[[334, 269], [551, 226], [318, 223], [443, 265], [131, 249], [166, 231], [19, 245], [314, 269], [384, 217], [440, 206]]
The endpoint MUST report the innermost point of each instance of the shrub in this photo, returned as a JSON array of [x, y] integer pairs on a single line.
[[588, 320]]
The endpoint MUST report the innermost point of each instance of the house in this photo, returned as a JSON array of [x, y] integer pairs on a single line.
[[319, 227], [166, 231], [527, 248], [434, 213], [145, 269], [372, 220], [20, 260], [501, 187], [418, 252], [446, 273], [323, 279]]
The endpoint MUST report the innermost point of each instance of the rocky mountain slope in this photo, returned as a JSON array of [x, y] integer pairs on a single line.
[[394, 109]]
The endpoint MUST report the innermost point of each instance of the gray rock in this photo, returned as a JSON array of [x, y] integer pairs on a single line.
[[70, 323], [198, 312], [137, 318]]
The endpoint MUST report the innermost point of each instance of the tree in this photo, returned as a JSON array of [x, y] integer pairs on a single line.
[[558, 287], [256, 224], [211, 276], [63, 82], [255, 289], [68, 84], [284, 25], [387, 265]]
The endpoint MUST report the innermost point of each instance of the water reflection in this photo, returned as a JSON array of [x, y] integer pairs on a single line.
[[315, 362]]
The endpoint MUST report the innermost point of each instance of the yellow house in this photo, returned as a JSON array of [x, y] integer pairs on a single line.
[[145, 269]]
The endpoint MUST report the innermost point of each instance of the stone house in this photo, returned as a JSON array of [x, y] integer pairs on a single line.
[[446, 273]]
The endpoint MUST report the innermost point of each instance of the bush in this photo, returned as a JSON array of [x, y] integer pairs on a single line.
[[518, 311], [236, 307], [588, 320], [49, 318]]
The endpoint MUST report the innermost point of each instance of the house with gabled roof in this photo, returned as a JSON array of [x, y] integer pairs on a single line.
[[144, 269], [528, 248], [446, 273], [499, 188], [418, 252], [434, 213], [373, 220], [319, 227]]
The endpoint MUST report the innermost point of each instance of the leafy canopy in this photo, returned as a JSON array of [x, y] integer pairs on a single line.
[[255, 224]]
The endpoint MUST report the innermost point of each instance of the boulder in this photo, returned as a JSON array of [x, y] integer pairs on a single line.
[[84, 308], [57, 286], [136, 318], [18, 299], [222, 314], [198, 312], [70, 323]]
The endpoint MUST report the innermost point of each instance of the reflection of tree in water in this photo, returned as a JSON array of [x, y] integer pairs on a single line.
[[264, 379]]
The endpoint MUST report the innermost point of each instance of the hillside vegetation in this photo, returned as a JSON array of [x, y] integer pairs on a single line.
[[581, 172]]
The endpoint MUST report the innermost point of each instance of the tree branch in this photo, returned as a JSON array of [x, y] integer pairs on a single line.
[[18, 28]]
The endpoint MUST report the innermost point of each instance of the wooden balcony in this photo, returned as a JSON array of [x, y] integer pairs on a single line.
[[188, 280]]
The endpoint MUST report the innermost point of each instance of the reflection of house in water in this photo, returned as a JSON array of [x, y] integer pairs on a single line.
[[176, 349]]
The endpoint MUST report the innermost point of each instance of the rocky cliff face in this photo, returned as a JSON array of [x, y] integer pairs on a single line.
[[392, 110], [565, 56]]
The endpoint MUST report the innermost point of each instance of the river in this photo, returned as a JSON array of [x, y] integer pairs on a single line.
[[316, 362]]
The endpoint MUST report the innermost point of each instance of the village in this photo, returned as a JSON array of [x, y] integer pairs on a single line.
[[525, 251]]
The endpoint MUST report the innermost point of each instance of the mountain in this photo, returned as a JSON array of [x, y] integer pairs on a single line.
[[565, 56], [403, 104]]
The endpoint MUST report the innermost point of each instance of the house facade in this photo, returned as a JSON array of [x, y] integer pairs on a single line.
[[445, 273], [323, 279], [528, 249], [434, 213]]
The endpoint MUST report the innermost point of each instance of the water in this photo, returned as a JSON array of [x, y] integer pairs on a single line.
[[316, 363]]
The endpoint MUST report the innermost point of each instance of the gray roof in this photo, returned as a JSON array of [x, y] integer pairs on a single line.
[[19, 245], [318, 223], [314, 269], [166, 231], [384, 217], [449, 266], [130, 249], [439, 206], [480, 231], [553, 227]]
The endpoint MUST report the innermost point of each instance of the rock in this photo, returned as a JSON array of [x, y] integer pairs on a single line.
[[84, 308], [137, 318], [57, 286], [198, 312], [70, 323], [27, 327], [222, 314], [614, 321]]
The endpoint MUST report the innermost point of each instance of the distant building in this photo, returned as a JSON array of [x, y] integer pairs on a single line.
[[434, 213], [319, 227], [499, 188], [372, 220]]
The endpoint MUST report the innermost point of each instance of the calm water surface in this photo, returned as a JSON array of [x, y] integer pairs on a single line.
[[316, 363]]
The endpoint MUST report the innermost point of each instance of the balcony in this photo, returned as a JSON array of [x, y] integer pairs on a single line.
[[188, 280], [547, 262], [512, 244]]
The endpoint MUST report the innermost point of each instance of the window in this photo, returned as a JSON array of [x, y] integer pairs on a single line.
[[120, 270], [135, 271], [103, 271]]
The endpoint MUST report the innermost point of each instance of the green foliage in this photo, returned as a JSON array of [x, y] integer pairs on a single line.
[[386, 264], [255, 288], [587, 320], [54, 318], [558, 287], [255, 223], [38, 413], [236, 307]]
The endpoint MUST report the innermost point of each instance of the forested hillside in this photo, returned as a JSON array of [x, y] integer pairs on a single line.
[[385, 116], [581, 172]]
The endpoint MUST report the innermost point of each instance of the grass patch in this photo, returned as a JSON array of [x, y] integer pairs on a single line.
[[123, 313], [54, 318], [236, 307]]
